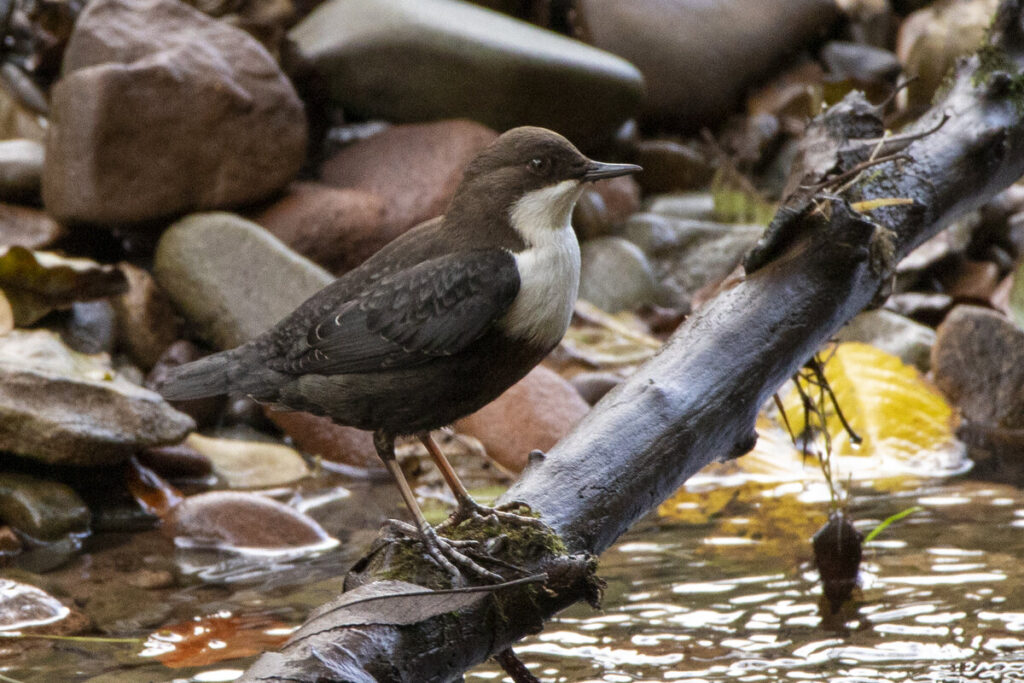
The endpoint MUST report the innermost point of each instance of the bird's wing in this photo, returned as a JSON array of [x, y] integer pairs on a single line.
[[435, 308]]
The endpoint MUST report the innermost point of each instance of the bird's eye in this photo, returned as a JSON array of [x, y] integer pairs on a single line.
[[538, 164]]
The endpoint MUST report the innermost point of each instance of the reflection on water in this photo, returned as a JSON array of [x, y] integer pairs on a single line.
[[942, 600], [733, 598]]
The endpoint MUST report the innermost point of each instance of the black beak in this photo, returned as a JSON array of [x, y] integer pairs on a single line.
[[597, 170]]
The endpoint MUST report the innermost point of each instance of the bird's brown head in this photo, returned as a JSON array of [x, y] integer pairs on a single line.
[[533, 171]]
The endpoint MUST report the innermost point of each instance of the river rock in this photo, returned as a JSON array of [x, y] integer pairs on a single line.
[[146, 321], [978, 362], [17, 121], [615, 275], [250, 464], [207, 410], [698, 206], [536, 412], [593, 385], [422, 60], [21, 169], [863, 64], [60, 406], [43, 510], [27, 227], [241, 520], [971, 281], [688, 254], [893, 333], [319, 436], [931, 39], [176, 461], [699, 57], [413, 168], [231, 278], [90, 327], [26, 607], [605, 205], [671, 166], [118, 609], [163, 110], [337, 228]]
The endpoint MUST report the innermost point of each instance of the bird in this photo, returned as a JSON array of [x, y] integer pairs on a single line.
[[436, 324]]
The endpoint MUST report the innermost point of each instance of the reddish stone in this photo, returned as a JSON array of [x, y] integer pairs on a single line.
[[338, 228], [414, 168], [320, 436], [146, 321], [536, 412]]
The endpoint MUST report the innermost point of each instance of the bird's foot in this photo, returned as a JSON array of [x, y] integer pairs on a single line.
[[445, 553], [470, 509]]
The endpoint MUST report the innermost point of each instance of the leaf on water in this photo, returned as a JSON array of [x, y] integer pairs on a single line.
[[894, 410], [37, 282], [602, 340], [214, 638], [149, 489], [750, 520], [1017, 296]]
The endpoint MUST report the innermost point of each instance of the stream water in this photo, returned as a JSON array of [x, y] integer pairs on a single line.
[[732, 598]]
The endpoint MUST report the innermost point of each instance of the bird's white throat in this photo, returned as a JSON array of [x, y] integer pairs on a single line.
[[549, 267]]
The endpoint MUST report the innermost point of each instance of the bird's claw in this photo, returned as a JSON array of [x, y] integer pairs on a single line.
[[470, 509], [445, 553]]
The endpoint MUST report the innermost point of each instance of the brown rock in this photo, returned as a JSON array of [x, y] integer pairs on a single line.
[[534, 413], [242, 520], [973, 280], [978, 362], [146, 321], [205, 411], [604, 205], [178, 460], [931, 39], [319, 436], [338, 228], [670, 166], [163, 110], [27, 227], [414, 168]]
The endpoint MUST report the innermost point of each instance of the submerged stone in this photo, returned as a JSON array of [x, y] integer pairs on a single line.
[[43, 510]]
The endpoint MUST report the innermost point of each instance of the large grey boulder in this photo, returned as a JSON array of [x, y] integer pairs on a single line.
[[421, 60]]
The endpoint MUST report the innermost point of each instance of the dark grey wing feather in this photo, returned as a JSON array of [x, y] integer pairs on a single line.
[[435, 308]]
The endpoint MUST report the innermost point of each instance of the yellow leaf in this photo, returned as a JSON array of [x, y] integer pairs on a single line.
[[36, 282], [896, 413]]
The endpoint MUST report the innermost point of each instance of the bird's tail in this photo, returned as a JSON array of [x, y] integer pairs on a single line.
[[207, 376]]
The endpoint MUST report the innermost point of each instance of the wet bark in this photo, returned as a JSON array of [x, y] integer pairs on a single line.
[[696, 401]]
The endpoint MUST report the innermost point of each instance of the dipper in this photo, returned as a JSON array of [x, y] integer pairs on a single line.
[[437, 323]]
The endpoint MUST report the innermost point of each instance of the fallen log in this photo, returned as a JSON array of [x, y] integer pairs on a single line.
[[860, 201]]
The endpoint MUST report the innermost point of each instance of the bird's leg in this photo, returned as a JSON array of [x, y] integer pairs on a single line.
[[467, 507], [440, 550]]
